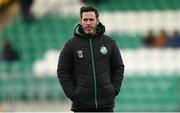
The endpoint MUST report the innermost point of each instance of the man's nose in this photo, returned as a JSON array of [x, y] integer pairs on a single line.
[[88, 22]]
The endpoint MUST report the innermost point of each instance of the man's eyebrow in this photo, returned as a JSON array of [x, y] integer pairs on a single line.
[[88, 18]]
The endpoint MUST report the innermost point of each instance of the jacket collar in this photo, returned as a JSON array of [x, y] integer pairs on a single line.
[[78, 31]]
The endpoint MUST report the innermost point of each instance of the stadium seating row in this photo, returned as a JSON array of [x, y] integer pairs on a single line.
[[138, 5], [138, 93]]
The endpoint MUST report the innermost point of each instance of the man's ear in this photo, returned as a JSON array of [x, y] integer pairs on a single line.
[[80, 22], [97, 21]]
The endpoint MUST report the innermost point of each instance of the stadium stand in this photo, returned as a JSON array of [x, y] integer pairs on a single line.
[[143, 89], [138, 5]]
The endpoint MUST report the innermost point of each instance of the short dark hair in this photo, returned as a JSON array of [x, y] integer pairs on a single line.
[[88, 9]]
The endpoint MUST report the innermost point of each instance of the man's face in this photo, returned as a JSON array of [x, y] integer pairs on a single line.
[[89, 22]]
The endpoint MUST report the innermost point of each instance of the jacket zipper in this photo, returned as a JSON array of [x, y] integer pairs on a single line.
[[94, 73]]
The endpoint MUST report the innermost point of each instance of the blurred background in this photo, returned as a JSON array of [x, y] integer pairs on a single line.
[[32, 33]]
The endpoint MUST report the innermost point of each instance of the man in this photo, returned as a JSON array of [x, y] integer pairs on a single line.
[[27, 16], [9, 54], [90, 68]]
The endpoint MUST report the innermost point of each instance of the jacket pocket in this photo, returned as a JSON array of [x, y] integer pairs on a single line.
[[106, 92], [106, 95], [84, 97]]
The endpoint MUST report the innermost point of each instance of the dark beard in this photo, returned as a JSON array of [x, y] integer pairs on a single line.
[[90, 35]]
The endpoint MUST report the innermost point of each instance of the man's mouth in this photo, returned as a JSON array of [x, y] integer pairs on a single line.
[[88, 27]]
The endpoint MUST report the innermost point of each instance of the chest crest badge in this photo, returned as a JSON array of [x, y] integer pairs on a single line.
[[103, 50], [80, 53]]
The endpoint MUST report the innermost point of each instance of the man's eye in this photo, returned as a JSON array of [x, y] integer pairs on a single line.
[[85, 19]]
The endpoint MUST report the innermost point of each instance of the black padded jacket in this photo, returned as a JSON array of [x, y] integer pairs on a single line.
[[90, 70]]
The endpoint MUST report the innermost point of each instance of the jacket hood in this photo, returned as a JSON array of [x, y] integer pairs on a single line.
[[78, 31]]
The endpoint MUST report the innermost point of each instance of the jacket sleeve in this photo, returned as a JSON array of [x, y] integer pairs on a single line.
[[64, 71], [117, 68]]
